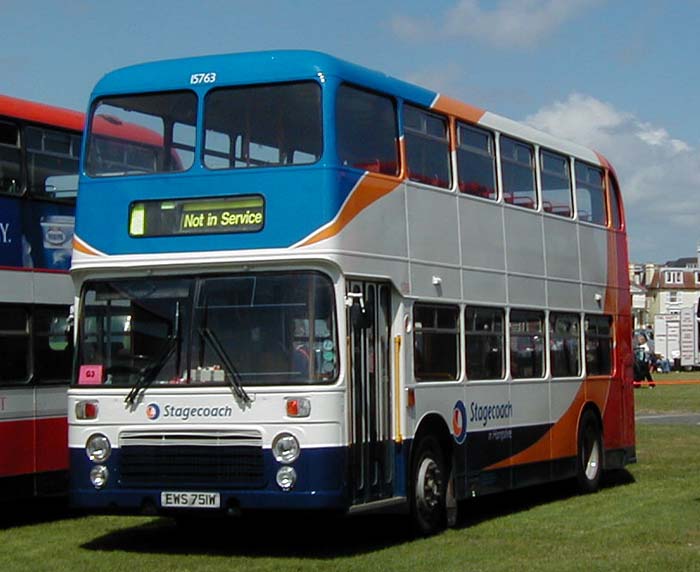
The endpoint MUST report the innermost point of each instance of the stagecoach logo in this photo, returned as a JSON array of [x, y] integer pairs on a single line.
[[459, 422], [152, 411]]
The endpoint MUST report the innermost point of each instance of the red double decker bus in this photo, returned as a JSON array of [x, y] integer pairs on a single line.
[[39, 155]]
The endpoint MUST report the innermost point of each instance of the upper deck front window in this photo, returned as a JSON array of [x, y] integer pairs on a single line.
[[139, 134], [263, 126]]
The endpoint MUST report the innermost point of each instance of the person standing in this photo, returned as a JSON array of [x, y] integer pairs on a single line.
[[643, 361]]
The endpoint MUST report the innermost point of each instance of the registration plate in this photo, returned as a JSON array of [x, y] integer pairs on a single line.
[[182, 499]]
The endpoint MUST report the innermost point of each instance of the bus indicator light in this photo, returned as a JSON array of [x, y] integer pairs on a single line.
[[86, 410], [298, 407], [411, 397]]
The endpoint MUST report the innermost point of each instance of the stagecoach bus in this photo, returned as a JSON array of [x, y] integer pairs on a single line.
[[323, 288], [39, 153]]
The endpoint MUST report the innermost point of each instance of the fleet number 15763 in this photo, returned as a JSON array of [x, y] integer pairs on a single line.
[[197, 78]]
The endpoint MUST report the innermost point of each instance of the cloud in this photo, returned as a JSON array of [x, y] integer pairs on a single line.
[[659, 175], [506, 23]]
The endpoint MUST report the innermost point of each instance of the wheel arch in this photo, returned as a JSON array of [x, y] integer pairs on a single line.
[[433, 424]]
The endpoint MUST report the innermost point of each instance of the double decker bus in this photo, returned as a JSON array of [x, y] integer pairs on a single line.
[[329, 289], [39, 153]]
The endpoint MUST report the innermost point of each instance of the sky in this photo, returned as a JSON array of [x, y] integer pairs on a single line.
[[620, 76]]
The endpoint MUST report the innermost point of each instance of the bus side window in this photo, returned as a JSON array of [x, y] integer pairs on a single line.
[[366, 131], [476, 162], [427, 147], [614, 191], [564, 344], [526, 344], [485, 341], [590, 194], [10, 171], [50, 153], [436, 342], [52, 348], [598, 331], [14, 344], [556, 184], [518, 172]]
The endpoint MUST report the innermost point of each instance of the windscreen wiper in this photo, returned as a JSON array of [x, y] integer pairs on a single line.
[[147, 374], [234, 376]]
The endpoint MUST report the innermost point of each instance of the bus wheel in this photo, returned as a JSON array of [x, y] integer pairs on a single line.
[[429, 486], [589, 461]]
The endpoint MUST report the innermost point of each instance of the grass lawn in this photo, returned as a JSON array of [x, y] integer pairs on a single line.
[[645, 519], [666, 398]]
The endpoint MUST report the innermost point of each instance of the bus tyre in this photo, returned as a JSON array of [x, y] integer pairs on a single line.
[[429, 481], [589, 461]]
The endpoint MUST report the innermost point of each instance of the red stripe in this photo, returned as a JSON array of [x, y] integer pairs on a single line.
[[52, 444], [20, 439]]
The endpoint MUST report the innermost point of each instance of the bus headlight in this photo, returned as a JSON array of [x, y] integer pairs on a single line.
[[285, 448], [99, 476], [286, 477], [98, 448]]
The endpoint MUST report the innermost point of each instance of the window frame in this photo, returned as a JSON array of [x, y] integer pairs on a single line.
[[480, 334], [492, 154], [594, 336], [436, 330], [18, 148], [365, 165], [673, 277], [76, 138], [588, 186], [89, 170], [543, 342], [232, 142], [615, 207], [554, 337], [542, 171], [425, 136], [504, 161]]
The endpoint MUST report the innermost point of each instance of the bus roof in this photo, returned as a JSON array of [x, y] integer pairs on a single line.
[[40, 113], [290, 65]]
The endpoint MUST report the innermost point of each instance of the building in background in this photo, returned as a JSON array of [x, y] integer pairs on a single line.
[[666, 298], [664, 288]]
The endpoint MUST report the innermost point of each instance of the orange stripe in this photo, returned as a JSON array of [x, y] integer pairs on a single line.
[[457, 108], [561, 440], [370, 189], [83, 247]]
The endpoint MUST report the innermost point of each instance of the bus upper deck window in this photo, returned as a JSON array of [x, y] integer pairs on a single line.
[[614, 190], [556, 184], [518, 170], [263, 126], [590, 194], [427, 147], [10, 172], [476, 162], [141, 134], [366, 131]]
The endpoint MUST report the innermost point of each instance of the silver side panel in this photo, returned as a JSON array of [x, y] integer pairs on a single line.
[[19, 287]]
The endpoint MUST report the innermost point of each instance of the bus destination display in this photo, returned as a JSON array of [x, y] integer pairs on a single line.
[[197, 216]]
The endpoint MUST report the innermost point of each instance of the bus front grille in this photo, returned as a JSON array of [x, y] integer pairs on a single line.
[[223, 460]]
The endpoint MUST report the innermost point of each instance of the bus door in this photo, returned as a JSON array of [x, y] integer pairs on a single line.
[[372, 453]]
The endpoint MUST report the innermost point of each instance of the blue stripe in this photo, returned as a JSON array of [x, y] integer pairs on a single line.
[[297, 202], [321, 484]]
